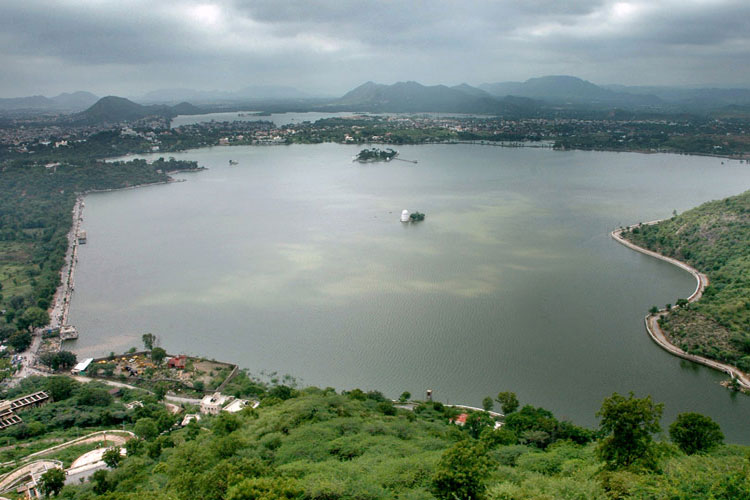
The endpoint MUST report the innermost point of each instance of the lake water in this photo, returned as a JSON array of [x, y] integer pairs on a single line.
[[295, 261]]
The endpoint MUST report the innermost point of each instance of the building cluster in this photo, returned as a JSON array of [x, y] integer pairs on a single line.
[[9, 409]]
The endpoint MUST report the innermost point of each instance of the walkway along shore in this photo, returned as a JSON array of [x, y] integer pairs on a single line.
[[652, 320]]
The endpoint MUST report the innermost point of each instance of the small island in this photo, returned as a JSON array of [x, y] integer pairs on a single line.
[[413, 217], [375, 154]]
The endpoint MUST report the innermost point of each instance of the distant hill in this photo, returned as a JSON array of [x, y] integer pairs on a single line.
[[410, 97], [77, 101], [254, 92], [112, 109], [569, 90]]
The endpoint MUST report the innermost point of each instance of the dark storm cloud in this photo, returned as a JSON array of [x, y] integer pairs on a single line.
[[131, 46]]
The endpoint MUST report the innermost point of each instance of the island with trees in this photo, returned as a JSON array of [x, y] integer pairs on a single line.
[[375, 154]]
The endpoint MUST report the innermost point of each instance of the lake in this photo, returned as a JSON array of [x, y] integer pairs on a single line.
[[295, 261]]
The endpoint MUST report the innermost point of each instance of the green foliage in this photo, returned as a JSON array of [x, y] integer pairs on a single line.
[[715, 239], [695, 433], [148, 340], [20, 341], [60, 388], [488, 404], [52, 482], [58, 360], [112, 457], [158, 354], [145, 428], [461, 472], [628, 424], [508, 402]]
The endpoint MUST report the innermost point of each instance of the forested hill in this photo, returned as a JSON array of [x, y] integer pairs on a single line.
[[715, 239]]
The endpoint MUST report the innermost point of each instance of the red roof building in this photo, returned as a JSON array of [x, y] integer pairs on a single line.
[[178, 362]]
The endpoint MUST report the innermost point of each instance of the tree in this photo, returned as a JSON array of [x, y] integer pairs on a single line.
[[405, 396], [158, 354], [52, 482], [461, 472], [476, 422], [488, 404], [160, 390], [112, 457], [695, 433], [629, 424], [145, 428], [148, 340], [60, 388], [20, 341], [34, 317], [66, 359], [508, 402]]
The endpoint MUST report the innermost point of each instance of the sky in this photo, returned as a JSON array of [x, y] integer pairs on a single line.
[[327, 47]]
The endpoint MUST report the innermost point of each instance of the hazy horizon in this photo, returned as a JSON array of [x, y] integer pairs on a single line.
[[327, 48]]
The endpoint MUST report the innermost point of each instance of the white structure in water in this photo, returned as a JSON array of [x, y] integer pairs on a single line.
[[405, 216]]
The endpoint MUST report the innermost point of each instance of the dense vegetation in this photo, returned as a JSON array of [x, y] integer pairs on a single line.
[[715, 239], [375, 154], [319, 444], [36, 203]]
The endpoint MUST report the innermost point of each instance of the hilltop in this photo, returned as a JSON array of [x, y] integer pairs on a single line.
[[112, 109], [413, 97]]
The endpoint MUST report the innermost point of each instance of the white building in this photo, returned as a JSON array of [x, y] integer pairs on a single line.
[[214, 403], [82, 366], [405, 216]]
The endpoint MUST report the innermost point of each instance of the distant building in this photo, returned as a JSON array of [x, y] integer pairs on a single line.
[[177, 362], [460, 420], [214, 403], [82, 366], [133, 405], [405, 216], [190, 417], [8, 409]]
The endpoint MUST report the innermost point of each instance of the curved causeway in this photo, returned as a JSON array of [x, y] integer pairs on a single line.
[[652, 320]]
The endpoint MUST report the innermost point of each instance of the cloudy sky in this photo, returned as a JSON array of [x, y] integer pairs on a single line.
[[129, 47]]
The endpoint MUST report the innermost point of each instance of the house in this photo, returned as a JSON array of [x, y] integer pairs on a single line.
[[190, 417], [214, 403], [134, 404], [460, 420], [82, 366], [177, 362]]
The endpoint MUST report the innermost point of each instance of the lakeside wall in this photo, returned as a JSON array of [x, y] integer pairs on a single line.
[[652, 320]]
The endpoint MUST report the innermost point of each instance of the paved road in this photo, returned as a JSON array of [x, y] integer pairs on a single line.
[[652, 320]]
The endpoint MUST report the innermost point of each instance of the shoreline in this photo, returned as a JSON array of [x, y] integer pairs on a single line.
[[60, 307], [652, 319], [61, 300]]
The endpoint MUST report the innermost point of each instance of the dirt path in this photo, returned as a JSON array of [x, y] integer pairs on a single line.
[[652, 320]]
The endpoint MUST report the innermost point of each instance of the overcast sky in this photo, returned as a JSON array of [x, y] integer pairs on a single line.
[[129, 47]]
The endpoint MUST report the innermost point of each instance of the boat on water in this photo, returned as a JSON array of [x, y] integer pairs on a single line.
[[68, 332], [233, 162]]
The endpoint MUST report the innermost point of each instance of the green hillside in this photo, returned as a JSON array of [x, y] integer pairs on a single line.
[[317, 444], [715, 239]]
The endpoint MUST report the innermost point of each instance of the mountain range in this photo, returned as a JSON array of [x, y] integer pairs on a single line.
[[253, 92], [73, 102], [530, 98]]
